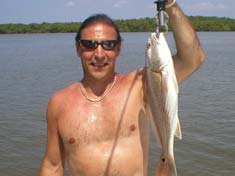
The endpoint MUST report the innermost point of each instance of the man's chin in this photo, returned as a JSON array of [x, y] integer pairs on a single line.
[[99, 75]]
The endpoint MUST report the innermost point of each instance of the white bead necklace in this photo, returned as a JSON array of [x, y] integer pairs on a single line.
[[102, 97]]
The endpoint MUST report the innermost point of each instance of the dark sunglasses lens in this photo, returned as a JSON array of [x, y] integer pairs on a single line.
[[89, 44], [109, 44], [92, 44]]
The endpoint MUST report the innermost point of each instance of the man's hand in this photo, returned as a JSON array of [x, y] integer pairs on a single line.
[[170, 3]]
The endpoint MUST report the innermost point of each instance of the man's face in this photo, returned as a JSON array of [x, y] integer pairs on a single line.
[[98, 63]]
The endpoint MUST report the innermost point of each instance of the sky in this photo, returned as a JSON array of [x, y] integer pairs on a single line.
[[51, 11]]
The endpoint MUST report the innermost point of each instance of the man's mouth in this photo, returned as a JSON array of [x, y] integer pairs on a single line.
[[99, 64]]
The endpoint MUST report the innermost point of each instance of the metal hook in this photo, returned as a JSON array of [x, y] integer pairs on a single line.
[[161, 17]]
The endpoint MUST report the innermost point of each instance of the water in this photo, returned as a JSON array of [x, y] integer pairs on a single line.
[[34, 66]]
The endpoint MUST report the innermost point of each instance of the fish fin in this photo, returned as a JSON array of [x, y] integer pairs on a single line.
[[178, 132]]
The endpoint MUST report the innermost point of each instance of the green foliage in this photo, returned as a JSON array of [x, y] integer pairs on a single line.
[[136, 25], [213, 23], [39, 28], [129, 25]]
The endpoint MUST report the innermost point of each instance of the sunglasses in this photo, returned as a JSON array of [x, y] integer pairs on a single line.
[[93, 44]]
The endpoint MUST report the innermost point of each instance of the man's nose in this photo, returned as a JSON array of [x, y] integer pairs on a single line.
[[99, 52]]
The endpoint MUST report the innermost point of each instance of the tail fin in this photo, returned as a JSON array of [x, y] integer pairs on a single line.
[[166, 167]]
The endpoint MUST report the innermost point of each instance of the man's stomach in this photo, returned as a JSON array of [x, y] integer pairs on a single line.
[[124, 157]]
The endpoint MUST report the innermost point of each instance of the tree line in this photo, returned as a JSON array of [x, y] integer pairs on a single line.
[[128, 25]]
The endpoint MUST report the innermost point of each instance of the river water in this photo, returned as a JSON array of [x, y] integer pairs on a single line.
[[33, 66]]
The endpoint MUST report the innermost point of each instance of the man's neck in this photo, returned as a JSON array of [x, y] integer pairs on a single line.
[[92, 87]]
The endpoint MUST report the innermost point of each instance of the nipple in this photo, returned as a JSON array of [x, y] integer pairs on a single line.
[[71, 141], [132, 127]]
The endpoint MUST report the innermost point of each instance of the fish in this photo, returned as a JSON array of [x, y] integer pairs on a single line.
[[162, 93]]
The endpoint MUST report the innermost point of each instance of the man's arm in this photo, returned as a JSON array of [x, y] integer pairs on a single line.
[[189, 54], [53, 162]]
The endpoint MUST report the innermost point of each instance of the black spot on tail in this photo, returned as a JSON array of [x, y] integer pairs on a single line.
[[163, 160]]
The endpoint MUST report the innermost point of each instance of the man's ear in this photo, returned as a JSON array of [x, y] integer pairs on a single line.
[[78, 49], [119, 47]]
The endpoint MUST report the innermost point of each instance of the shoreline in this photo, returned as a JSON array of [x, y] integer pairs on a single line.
[[200, 23]]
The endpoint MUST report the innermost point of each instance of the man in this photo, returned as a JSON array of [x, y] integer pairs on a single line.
[[100, 125]]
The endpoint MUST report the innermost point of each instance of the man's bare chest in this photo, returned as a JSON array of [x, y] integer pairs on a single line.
[[118, 115], [97, 124]]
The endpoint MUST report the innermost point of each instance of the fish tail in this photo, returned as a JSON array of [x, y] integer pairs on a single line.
[[166, 167]]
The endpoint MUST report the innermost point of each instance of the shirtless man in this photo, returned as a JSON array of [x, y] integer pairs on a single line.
[[100, 125]]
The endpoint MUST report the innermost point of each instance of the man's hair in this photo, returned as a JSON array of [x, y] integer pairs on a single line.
[[98, 18]]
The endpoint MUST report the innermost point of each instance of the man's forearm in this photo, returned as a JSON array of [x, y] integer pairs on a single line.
[[189, 54]]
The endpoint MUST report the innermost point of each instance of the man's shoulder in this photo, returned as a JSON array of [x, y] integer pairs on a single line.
[[135, 78], [60, 96], [62, 101], [137, 73], [66, 90]]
